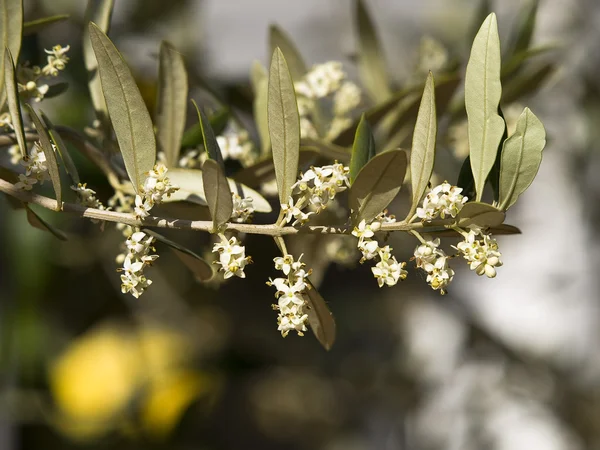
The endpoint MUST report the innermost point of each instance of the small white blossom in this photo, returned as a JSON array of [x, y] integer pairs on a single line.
[[443, 200], [6, 121], [138, 257], [346, 99], [57, 60], [242, 209], [482, 254], [232, 257], [26, 183], [322, 80], [307, 129]]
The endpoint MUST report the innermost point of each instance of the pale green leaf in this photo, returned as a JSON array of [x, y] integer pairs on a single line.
[[377, 184], [482, 97], [218, 195], [128, 113], [371, 62], [479, 214], [33, 26], [14, 106], [49, 152], [11, 33], [284, 125], [521, 158], [62, 150], [37, 222], [208, 138], [280, 39], [320, 319], [171, 102], [422, 155], [363, 148]]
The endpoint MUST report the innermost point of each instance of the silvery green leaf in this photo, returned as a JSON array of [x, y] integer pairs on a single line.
[[320, 319], [422, 155], [218, 195], [128, 113], [37, 222], [197, 265], [11, 33], [33, 26], [278, 38], [480, 214], [371, 62], [482, 97], [48, 150], [171, 102], [192, 137], [284, 125], [521, 158], [62, 151], [12, 94], [377, 184], [363, 148], [208, 138], [98, 12], [260, 84]]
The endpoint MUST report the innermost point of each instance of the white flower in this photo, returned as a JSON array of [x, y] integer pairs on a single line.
[[87, 197], [322, 80], [346, 99], [57, 60], [443, 200], [6, 121], [26, 183], [133, 281], [389, 271], [234, 146], [307, 129], [427, 253], [142, 207], [366, 231], [439, 274], [232, 257], [482, 254], [242, 209]]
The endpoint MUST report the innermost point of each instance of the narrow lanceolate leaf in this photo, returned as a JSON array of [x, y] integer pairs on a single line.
[[218, 194], [479, 214], [36, 25], [14, 106], [422, 155], [218, 121], [62, 150], [208, 138], [198, 266], [284, 125], [280, 39], [521, 158], [363, 148], [11, 33], [98, 12], [482, 97], [49, 152], [320, 319], [377, 184], [371, 63], [37, 222], [171, 102], [128, 113]]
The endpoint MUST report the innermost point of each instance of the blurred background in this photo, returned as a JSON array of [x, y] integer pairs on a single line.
[[507, 363]]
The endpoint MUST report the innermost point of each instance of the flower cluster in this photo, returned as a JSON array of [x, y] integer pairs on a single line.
[[232, 257], [233, 145], [28, 77], [388, 270], [36, 168], [242, 209], [432, 259], [121, 202], [156, 186], [133, 280], [290, 294], [316, 188], [443, 200], [481, 254], [87, 197]]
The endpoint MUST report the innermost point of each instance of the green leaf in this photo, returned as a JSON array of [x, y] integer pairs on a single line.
[[280, 39], [37, 222], [48, 149], [98, 12], [482, 97], [218, 122], [171, 102], [11, 33], [56, 89], [525, 27], [521, 158], [208, 138], [377, 184], [218, 194], [202, 270], [62, 150], [371, 63], [33, 26], [320, 319], [465, 179], [480, 214], [260, 85], [363, 149], [284, 125], [126, 107], [502, 229], [529, 82], [422, 155], [14, 106]]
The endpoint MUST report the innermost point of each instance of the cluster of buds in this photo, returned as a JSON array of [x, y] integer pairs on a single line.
[[156, 186], [232, 257], [133, 280], [290, 294], [481, 254], [443, 200], [432, 259], [315, 189], [28, 77], [87, 197], [387, 271], [36, 168], [242, 209]]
